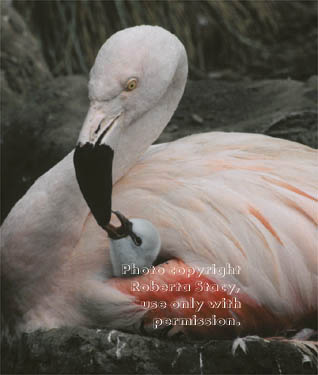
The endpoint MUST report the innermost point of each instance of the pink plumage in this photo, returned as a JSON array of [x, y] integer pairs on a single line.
[[216, 198]]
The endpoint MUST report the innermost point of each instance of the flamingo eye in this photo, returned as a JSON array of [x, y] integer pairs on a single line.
[[131, 84]]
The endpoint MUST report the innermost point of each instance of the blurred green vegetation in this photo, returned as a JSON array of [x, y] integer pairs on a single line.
[[256, 37]]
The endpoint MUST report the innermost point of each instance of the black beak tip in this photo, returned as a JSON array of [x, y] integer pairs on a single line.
[[93, 168]]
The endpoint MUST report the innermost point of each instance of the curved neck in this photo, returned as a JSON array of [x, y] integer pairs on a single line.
[[144, 131]]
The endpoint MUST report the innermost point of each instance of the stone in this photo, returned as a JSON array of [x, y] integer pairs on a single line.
[[81, 350]]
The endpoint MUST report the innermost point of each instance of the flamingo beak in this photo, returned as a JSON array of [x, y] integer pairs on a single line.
[[93, 162]]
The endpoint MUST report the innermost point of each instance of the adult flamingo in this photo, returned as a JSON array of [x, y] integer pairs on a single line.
[[216, 199]]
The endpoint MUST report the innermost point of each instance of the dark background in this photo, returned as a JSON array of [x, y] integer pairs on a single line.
[[257, 38]]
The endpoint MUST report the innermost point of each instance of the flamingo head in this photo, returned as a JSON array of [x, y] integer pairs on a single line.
[[135, 86]]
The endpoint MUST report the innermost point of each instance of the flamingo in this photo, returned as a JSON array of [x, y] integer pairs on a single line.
[[229, 219]]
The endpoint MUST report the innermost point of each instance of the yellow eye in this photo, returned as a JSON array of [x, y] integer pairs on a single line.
[[131, 84]]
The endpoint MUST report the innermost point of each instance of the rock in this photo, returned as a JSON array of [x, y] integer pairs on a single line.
[[22, 61], [89, 351], [248, 106], [41, 116], [43, 128]]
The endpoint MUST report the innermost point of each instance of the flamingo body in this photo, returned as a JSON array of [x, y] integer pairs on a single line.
[[241, 199], [216, 198]]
